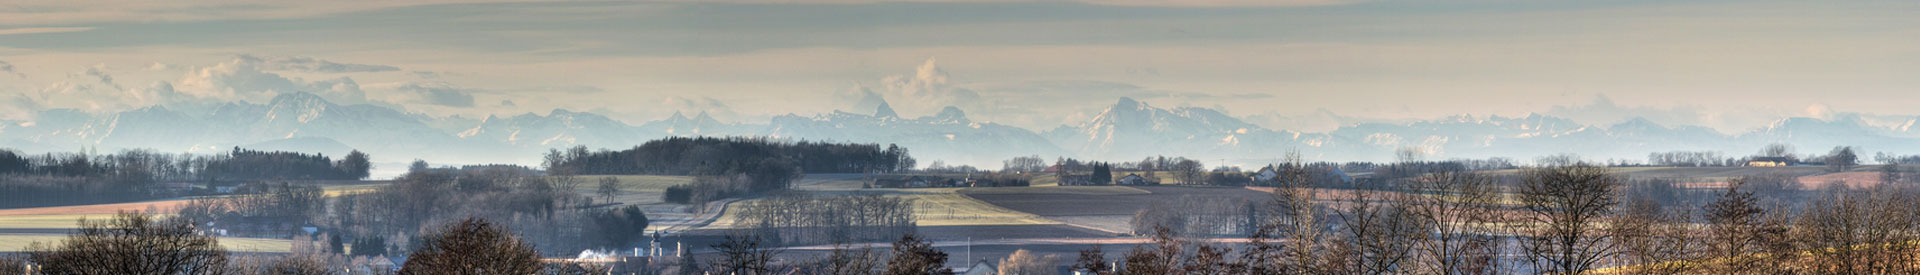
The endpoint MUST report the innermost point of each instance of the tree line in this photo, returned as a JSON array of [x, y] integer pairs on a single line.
[[725, 156], [86, 177], [792, 218], [1568, 219], [390, 219], [149, 166], [140, 243]]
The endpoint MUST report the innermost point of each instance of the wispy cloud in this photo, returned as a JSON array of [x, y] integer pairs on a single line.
[[315, 65], [37, 12], [15, 31]]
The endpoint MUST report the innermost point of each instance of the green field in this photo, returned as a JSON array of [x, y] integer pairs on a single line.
[[48, 221], [19, 242]]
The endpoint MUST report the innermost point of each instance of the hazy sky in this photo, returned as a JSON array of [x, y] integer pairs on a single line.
[[1726, 64]]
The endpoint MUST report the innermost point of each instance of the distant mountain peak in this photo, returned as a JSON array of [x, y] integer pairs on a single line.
[[1127, 103], [703, 117], [950, 113], [290, 97], [885, 111]]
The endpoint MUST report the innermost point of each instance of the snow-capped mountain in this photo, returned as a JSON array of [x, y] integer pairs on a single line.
[[699, 125], [290, 121], [1127, 130], [948, 135], [559, 128], [1131, 129]]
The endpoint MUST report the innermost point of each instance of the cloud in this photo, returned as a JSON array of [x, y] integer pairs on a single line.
[[432, 93], [1606, 112], [924, 92], [91, 90], [695, 102], [245, 78], [857, 99], [43, 12], [8, 68], [157, 66], [1318, 121], [313, 65], [700, 104], [561, 89], [15, 31], [18, 107], [104, 78]]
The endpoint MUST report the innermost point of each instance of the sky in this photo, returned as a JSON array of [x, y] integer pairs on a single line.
[[1290, 64]]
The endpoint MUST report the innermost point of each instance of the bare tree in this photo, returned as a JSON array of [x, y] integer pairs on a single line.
[[1093, 261], [609, 187], [1779, 150], [1860, 233], [1562, 159], [1189, 171], [473, 246], [13, 265], [1890, 174], [743, 254], [1163, 256], [1457, 213], [566, 182], [299, 264], [1564, 207], [1842, 159], [913, 255], [1651, 240], [846, 260], [1299, 220], [1211, 259], [1735, 227], [133, 243], [1409, 154], [1023, 262], [1262, 256], [1381, 232]]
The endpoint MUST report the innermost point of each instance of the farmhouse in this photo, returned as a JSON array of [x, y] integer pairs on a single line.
[[1132, 179], [1770, 162], [979, 268], [1266, 176]]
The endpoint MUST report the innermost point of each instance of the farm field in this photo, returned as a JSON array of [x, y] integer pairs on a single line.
[[932, 207], [1106, 208], [632, 183], [1716, 173], [19, 242], [1049, 179], [57, 221], [343, 189], [110, 208]]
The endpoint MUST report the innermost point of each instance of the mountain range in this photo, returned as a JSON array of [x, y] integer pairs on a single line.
[[1126, 130]]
